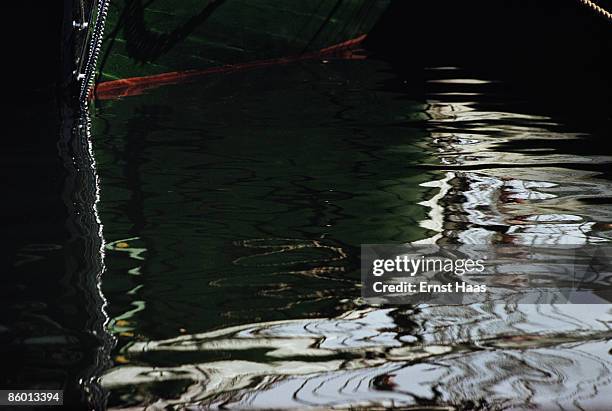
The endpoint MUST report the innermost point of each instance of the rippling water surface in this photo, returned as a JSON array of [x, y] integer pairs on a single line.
[[234, 208]]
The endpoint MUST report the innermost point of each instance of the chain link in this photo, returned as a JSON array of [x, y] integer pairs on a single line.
[[597, 8], [95, 43]]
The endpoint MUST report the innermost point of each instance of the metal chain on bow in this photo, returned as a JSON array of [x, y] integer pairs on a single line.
[[87, 75]]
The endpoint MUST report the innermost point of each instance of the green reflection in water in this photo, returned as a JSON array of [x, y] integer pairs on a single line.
[[252, 192]]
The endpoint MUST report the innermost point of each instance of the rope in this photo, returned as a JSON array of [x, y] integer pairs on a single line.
[[598, 9]]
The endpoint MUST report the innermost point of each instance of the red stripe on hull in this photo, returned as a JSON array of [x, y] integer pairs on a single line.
[[114, 89]]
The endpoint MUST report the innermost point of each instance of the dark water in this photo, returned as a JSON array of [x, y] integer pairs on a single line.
[[233, 210], [52, 322]]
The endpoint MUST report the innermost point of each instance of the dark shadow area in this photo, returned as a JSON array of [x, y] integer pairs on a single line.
[[51, 317], [145, 45], [52, 324], [548, 49]]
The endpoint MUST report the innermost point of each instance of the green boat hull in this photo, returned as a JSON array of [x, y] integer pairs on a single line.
[[163, 36]]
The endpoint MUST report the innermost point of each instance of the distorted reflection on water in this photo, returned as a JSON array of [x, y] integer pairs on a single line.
[[234, 209]]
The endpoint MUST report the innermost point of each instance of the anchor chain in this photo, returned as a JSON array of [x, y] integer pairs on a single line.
[[93, 51]]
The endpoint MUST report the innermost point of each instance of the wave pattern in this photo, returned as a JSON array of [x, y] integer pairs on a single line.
[[492, 357], [492, 172]]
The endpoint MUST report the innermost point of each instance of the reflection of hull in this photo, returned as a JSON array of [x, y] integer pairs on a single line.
[[222, 223], [167, 37]]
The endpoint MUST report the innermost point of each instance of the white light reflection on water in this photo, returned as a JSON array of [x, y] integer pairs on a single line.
[[499, 355]]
